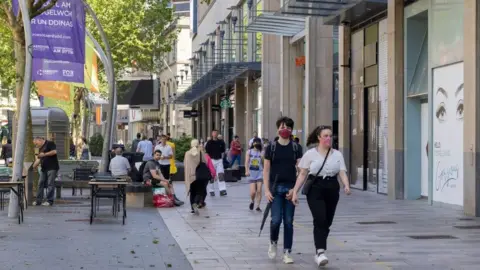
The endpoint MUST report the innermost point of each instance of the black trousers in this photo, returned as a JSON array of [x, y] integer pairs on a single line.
[[198, 192], [322, 200], [165, 170]]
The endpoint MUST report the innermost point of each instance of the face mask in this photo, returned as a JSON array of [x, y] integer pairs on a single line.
[[285, 133], [326, 141]]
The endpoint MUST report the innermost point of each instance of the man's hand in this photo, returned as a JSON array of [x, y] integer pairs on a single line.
[[289, 195], [268, 195], [41, 155]]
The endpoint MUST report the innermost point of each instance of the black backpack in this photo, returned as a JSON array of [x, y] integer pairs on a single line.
[[202, 173]]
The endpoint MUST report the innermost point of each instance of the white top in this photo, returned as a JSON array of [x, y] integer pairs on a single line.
[[312, 160], [166, 152], [119, 166]]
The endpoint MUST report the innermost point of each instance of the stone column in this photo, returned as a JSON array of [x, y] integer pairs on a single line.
[[471, 132], [270, 78], [396, 100], [204, 119], [197, 122], [209, 115], [318, 74], [239, 110], [218, 114], [291, 104], [250, 91], [226, 131], [344, 92]]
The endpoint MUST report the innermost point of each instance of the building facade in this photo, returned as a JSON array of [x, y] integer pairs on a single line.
[[176, 76]]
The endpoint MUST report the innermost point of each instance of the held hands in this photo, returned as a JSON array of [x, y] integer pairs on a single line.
[[294, 198], [268, 195], [289, 194], [41, 155]]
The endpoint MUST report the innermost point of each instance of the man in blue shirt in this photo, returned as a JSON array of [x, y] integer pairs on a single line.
[[145, 147]]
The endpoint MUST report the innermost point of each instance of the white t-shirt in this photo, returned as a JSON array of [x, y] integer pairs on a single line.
[[312, 160], [166, 151]]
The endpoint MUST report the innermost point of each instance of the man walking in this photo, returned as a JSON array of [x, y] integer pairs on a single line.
[[48, 161], [145, 147], [235, 151], [215, 148], [279, 176]]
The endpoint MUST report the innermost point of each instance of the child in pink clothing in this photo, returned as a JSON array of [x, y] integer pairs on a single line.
[[210, 166]]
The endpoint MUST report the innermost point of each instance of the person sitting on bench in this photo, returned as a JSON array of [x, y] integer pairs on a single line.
[[119, 165], [153, 176]]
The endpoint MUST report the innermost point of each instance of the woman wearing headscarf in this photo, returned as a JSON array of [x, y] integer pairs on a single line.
[[195, 188]]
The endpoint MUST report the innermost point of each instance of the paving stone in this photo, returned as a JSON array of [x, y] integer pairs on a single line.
[[229, 230]]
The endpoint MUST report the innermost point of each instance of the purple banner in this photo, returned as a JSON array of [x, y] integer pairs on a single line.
[[59, 33], [52, 70]]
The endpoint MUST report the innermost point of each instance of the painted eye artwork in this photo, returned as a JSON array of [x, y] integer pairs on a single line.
[[441, 112], [460, 109]]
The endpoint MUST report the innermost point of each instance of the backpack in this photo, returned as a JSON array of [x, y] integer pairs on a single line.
[[202, 173]]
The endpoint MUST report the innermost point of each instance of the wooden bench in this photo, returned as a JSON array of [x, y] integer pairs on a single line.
[[139, 195]]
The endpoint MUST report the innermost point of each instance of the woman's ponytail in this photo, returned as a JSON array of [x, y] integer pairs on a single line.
[[313, 137]]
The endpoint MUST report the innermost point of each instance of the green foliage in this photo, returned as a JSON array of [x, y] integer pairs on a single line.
[[7, 61], [182, 145], [136, 32], [205, 2], [96, 144]]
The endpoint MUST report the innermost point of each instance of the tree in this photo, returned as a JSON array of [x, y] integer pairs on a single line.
[[9, 21], [205, 2], [136, 31]]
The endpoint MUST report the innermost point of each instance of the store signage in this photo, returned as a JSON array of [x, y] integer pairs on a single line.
[[135, 115], [216, 108], [190, 113], [447, 145], [300, 61], [225, 103]]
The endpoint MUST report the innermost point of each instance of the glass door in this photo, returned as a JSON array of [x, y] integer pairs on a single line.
[[372, 137]]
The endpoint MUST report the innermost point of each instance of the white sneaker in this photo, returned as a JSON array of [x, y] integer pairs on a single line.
[[287, 257], [321, 259], [34, 203], [46, 204], [272, 250]]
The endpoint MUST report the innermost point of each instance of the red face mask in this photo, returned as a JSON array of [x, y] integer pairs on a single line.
[[327, 141], [285, 133]]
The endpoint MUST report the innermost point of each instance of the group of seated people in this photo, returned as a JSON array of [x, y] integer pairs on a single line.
[[149, 172]]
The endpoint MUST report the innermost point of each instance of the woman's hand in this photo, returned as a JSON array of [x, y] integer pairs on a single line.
[[247, 172], [347, 190], [295, 198], [268, 195]]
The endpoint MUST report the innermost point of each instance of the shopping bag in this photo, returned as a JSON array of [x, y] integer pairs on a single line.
[[162, 201]]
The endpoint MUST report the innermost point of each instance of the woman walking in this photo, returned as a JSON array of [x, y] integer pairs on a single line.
[[322, 164], [196, 185], [85, 153], [254, 172]]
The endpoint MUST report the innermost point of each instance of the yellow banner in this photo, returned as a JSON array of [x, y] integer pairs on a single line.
[[54, 90]]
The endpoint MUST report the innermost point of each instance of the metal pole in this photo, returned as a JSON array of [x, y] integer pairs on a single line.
[[23, 113], [112, 94], [110, 77]]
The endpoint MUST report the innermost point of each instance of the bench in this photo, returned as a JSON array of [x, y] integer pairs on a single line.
[[139, 195]]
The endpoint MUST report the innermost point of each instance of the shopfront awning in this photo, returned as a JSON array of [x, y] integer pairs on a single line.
[[220, 75], [322, 8], [276, 23], [359, 13]]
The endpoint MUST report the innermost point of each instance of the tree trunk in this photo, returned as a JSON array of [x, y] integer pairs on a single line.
[[77, 119], [19, 49]]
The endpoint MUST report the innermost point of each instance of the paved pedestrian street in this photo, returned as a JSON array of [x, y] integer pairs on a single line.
[[369, 232]]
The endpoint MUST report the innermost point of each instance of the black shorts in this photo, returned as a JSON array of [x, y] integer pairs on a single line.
[[165, 170]]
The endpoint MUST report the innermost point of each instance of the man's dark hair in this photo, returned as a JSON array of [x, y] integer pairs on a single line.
[[216, 130], [168, 134], [157, 151], [163, 136], [285, 120], [9, 141], [297, 140], [139, 136], [236, 137]]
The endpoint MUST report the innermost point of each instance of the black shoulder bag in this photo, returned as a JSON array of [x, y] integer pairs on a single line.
[[311, 178]]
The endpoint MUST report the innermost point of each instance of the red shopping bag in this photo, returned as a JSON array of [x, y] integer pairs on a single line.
[[162, 201]]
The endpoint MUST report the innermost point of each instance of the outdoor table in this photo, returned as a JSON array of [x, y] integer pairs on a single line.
[[119, 188], [19, 192]]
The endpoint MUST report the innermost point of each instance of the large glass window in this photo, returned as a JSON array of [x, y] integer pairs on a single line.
[[244, 32], [257, 113], [258, 35]]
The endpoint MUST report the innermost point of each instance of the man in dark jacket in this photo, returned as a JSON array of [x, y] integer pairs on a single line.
[[7, 152], [135, 143]]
